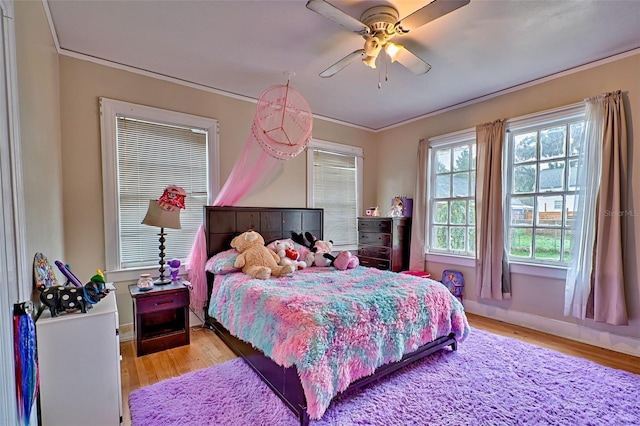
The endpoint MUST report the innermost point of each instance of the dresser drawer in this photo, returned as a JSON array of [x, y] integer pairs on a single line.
[[161, 302], [382, 226], [373, 251], [374, 263], [374, 239]]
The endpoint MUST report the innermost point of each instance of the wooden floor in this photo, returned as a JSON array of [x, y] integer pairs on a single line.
[[206, 350]]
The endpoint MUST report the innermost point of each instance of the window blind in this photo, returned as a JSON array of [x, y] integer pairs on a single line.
[[150, 157], [335, 190]]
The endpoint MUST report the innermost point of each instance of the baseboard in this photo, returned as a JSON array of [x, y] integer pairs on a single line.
[[126, 332], [195, 319], [602, 339]]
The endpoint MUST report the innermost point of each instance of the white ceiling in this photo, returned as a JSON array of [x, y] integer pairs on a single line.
[[244, 47]]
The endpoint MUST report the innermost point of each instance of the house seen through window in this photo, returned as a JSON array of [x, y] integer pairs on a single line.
[[541, 189]]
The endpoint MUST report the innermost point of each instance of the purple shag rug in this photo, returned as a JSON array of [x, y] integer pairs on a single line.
[[490, 380]]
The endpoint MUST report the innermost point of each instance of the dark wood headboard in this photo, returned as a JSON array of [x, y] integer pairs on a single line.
[[221, 224]]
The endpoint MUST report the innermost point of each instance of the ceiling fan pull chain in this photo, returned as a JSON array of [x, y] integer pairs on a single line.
[[386, 68], [379, 82]]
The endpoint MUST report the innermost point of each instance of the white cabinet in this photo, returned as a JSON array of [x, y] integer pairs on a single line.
[[79, 358]]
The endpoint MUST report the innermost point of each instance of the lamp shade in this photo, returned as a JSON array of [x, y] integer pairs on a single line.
[[157, 216]]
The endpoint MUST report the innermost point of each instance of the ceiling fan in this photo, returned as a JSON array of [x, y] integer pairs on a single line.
[[378, 25]]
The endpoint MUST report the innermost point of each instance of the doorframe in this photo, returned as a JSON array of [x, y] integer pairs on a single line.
[[14, 282]]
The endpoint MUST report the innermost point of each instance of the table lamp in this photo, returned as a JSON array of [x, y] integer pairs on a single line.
[[165, 213]]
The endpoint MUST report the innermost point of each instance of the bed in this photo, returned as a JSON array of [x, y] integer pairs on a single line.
[[302, 378]]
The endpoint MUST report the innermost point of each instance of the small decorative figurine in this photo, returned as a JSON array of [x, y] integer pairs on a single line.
[[174, 264], [397, 209], [145, 282]]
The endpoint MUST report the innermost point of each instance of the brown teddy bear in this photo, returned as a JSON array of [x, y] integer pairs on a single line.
[[255, 259]]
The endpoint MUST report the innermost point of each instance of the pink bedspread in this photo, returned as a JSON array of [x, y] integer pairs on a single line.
[[336, 326]]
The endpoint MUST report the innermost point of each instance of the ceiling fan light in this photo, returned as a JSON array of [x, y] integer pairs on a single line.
[[372, 46], [393, 50], [370, 61]]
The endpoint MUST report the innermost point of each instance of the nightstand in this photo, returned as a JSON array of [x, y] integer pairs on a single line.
[[161, 317]]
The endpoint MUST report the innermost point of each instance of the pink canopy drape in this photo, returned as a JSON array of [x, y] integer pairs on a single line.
[[281, 130]]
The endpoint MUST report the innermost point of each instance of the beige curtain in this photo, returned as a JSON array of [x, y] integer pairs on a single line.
[[416, 259], [492, 268], [607, 298]]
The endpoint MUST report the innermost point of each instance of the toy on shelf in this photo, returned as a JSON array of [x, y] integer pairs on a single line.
[[174, 264], [373, 211], [397, 208], [67, 298]]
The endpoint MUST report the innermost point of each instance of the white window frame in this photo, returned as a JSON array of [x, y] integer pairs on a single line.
[[450, 140], [539, 269], [337, 148], [545, 119], [109, 110]]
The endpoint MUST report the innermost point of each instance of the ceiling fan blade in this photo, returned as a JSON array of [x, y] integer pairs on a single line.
[[411, 61], [430, 12], [342, 63], [336, 15]]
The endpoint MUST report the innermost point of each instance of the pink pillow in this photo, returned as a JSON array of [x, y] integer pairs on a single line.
[[222, 263]]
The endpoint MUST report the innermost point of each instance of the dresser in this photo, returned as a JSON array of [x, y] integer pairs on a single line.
[[79, 361], [383, 242]]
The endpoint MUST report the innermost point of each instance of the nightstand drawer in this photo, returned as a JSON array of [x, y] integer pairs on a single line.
[[373, 251], [162, 302], [374, 239]]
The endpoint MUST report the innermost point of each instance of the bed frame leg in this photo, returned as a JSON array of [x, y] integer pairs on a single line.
[[454, 345], [304, 418]]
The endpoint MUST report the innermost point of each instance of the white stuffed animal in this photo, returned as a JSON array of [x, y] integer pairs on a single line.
[[288, 254]]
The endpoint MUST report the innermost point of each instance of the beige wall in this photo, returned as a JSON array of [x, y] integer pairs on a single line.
[[81, 85], [397, 153], [39, 100], [62, 161]]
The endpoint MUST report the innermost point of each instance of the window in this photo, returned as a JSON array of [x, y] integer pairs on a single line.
[[451, 198], [334, 183], [541, 157], [542, 154], [145, 150]]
